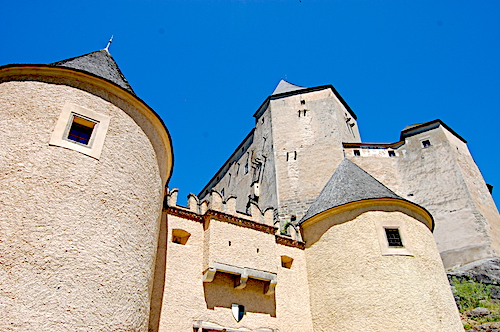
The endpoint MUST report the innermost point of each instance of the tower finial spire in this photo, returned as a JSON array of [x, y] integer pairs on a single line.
[[109, 43]]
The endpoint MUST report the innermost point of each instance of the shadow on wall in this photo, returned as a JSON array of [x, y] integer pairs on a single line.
[[159, 277], [221, 293]]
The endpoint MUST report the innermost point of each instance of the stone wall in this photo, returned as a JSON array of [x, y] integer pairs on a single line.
[[444, 179], [79, 235], [221, 235], [353, 285]]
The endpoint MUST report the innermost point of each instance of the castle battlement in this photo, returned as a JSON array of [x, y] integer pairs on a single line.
[[303, 227]]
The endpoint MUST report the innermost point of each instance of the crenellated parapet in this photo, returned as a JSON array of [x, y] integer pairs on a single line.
[[215, 202]]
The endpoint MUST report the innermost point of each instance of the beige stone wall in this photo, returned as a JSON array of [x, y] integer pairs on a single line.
[[253, 162], [317, 141], [285, 144], [435, 178], [354, 287], [379, 165], [444, 179], [238, 246], [78, 235], [188, 299], [479, 194]]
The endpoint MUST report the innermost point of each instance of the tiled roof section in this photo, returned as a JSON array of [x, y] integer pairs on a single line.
[[99, 63], [284, 86], [348, 184]]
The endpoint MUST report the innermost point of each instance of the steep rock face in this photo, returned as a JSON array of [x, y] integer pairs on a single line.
[[486, 271]]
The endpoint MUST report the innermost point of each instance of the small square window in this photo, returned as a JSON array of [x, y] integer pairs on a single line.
[[180, 236], [81, 129], [357, 153], [286, 262], [393, 237], [426, 143], [392, 154], [302, 102]]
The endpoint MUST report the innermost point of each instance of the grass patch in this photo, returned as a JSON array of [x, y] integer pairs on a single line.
[[471, 294]]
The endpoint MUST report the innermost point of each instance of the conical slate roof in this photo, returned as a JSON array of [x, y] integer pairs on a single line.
[[349, 183], [284, 86], [99, 63]]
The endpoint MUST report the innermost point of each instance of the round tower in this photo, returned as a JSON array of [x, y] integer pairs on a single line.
[[372, 261], [83, 168]]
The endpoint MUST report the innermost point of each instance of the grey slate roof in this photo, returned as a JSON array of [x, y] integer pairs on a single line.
[[284, 86], [349, 183], [99, 63]]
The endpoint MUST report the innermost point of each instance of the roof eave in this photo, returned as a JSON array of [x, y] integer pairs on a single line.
[[423, 127], [263, 106], [19, 72], [401, 202]]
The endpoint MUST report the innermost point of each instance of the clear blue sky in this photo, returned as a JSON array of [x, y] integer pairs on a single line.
[[205, 66]]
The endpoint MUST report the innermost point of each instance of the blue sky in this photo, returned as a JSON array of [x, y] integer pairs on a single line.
[[206, 66]]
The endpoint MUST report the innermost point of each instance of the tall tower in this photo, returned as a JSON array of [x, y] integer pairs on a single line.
[[291, 153], [84, 164]]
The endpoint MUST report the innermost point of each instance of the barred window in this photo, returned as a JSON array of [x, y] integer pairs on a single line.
[[393, 237]]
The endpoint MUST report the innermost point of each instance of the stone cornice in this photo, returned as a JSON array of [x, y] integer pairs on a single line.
[[240, 221], [289, 242], [186, 214], [224, 217]]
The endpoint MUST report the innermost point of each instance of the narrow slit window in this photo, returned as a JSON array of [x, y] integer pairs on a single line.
[[393, 237], [81, 129]]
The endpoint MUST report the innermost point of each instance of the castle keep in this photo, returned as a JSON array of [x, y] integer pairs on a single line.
[[304, 228]]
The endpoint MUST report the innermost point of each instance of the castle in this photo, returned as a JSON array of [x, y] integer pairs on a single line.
[[304, 228]]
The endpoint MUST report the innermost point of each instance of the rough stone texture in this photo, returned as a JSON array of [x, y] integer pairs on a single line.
[[487, 327], [186, 298], [444, 179], [486, 271], [477, 312], [237, 246], [285, 144], [252, 162], [78, 235], [315, 138], [353, 285]]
